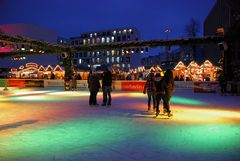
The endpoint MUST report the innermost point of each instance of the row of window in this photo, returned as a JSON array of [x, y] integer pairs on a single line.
[[108, 33], [107, 53], [104, 60], [102, 40], [121, 52]]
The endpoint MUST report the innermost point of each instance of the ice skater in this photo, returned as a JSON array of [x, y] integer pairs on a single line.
[[168, 89], [160, 92], [150, 89]]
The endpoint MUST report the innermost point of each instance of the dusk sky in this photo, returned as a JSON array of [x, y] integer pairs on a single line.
[[72, 17]]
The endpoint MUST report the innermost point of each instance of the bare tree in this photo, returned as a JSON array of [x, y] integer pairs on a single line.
[[193, 28]]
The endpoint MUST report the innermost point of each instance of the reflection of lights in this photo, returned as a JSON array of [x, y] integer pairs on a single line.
[[70, 93], [187, 101], [203, 115], [28, 93], [29, 98]]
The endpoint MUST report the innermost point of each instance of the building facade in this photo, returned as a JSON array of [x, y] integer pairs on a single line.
[[226, 15], [123, 59]]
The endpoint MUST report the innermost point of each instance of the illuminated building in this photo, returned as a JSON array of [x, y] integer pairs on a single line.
[[117, 58]]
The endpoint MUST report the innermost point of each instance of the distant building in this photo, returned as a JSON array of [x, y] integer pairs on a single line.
[[123, 59], [225, 14], [31, 32]]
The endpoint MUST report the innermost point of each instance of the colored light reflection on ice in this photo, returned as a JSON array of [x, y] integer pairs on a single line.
[[199, 139], [65, 137], [186, 101], [199, 115]]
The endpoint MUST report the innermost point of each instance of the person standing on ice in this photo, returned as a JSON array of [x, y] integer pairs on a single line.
[[107, 87], [169, 86], [150, 89], [160, 92], [94, 86]]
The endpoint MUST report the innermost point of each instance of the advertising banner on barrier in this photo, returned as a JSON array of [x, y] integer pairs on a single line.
[[205, 87], [16, 83], [133, 86]]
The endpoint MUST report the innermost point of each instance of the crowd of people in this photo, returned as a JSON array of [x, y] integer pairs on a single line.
[[159, 88]]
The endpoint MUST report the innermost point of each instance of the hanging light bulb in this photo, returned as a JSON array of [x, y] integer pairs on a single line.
[[23, 48], [31, 49]]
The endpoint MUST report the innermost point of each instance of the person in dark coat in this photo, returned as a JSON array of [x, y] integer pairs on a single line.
[[168, 89], [223, 83], [160, 92], [150, 89], [94, 86], [107, 87]]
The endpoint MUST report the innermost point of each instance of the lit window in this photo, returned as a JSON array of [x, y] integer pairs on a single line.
[[112, 59], [114, 32], [113, 52], [112, 39], [118, 59], [119, 32], [129, 66], [124, 31], [107, 59], [90, 35], [98, 40], [103, 40], [108, 53], [80, 61], [93, 41], [123, 65], [108, 39], [95, 34], [98, 60], [84, 42], [88, 41], [130, 30]]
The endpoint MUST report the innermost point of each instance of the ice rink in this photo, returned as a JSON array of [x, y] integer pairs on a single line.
[[55, 125]]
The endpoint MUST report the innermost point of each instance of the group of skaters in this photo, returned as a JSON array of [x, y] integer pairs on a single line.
[[94, 87], [159, 88]]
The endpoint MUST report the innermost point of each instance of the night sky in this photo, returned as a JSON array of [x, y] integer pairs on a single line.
[[72, 17]]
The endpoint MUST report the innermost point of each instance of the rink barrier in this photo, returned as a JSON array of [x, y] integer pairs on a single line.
[[122, 85]]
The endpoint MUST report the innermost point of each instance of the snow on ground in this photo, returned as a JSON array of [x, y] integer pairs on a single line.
[[55, 125]]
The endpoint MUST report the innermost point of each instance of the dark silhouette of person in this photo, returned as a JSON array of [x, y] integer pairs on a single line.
[[181, 78], [160, 92], [168, 88], [223, 83], [52, 76], [150, 89], [94, 86], [107, 87], [79, 77]]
